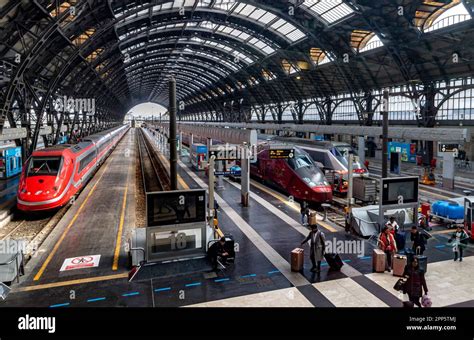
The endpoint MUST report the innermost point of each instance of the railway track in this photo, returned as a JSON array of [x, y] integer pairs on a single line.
[[155, 175]]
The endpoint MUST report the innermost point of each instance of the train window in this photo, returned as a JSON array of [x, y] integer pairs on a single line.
[[86, 161], [44, 166]]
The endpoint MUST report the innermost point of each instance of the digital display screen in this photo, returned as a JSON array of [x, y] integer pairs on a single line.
[[176, 207], [400, 190], [282, 153]]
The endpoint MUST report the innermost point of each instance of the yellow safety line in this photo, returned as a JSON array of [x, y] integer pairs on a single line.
[[61, 239], [120, 231], [72, 282], [183, 184], [292, 205]]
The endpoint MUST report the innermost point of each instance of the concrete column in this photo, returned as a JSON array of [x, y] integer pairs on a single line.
[[245, 178], [361, 143], [211, 189], [220, 167], [448, 170], [191, 140]]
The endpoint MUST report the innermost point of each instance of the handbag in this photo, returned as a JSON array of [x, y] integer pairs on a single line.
[[400, 285]]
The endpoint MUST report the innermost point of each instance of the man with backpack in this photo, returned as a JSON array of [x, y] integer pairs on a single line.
[[419, 241]]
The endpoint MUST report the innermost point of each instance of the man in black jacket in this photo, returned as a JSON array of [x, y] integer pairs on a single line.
[[419, 241], [217, 249]]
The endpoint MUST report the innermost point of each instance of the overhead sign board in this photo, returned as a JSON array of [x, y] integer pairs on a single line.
[[175, 207], [443, 147], [282, 153]]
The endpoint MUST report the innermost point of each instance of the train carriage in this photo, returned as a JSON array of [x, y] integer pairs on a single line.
[[53, 175]]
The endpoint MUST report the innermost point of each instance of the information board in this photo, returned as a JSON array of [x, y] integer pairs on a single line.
[[175, 207], [281, 153], [397, 191], [448, 147]]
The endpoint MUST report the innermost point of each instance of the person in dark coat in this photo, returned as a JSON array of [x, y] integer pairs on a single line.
[[419, 241], [416, 283], [304, 212], [217, 249], [317, 246]]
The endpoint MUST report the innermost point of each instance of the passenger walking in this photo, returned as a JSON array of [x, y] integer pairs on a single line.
[[304, 212], [317, 247], [419, 241], [461, 239], [415, 283], [387, 244]]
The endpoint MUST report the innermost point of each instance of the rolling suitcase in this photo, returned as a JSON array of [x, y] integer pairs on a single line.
[[297, 259], [334, 261], [312, 217], [378, 261], [399, 263]]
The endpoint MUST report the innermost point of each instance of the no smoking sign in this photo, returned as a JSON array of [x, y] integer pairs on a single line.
[[80, 262]]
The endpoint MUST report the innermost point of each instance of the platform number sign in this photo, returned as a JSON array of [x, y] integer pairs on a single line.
[[449, 148], [178, 241]]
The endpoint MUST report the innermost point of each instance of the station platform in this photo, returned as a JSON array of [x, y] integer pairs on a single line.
[[265, 233]]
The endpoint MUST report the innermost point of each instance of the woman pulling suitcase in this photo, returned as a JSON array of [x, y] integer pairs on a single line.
[[415, 283]]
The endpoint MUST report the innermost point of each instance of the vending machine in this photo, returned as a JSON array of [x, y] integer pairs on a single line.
[[199, 156]]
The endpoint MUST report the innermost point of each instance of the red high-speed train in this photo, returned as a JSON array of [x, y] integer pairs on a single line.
[[51, 176], [299, 176]]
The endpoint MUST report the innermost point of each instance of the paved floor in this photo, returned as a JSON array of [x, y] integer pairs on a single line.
[[265, 233]]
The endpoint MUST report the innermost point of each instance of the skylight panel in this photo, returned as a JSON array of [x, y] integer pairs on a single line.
[[331, 11]]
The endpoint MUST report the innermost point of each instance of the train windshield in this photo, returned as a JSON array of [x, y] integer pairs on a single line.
[[44, 166], [307, 170]]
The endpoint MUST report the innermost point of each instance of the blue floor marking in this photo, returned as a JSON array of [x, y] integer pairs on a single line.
[[222, 280], [249, 275], [273, 272], [60, 305], [440, 246], [162, 289], [131, 294], [193, 284], [365, 258], [96, 299]]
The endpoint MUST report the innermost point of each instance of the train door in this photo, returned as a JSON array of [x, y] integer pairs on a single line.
[[468, 215]]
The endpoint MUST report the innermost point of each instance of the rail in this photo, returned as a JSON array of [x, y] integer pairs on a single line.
[[154, 174]]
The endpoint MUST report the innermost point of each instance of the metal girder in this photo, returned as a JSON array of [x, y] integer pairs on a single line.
[[459, 135], [231, 136]]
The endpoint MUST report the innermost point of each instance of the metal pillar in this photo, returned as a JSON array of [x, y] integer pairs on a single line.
[[191, 140], [361, 144], [172, 136], [385, 134], [245, 177], [211, 213], [350, 170]]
